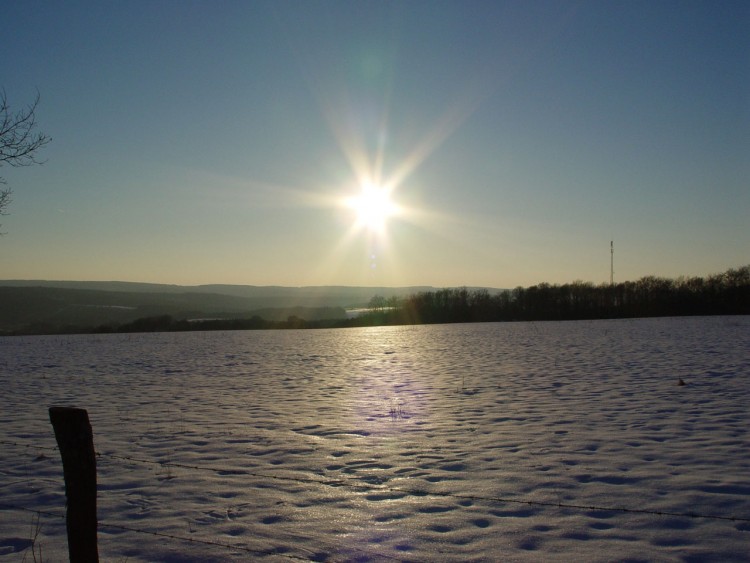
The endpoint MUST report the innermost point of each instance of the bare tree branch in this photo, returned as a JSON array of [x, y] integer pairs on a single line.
[[19, 141]]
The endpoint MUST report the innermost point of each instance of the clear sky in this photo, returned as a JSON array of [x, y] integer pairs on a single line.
[[220, 142]]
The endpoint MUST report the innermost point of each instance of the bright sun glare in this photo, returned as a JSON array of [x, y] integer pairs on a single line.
[[373, 206]]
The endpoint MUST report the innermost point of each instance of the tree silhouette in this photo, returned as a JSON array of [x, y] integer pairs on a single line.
[[19, 142]]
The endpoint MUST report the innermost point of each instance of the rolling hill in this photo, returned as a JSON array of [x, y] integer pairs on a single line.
[[42, 305]]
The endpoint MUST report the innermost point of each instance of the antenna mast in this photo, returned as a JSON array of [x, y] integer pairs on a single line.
[[612, 262]]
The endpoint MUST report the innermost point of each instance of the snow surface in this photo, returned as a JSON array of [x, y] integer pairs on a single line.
[[487, 442]]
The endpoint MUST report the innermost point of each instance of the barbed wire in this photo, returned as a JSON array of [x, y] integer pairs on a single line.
[[28, 446], [212, 543], [205, 542], [33, 510], [349, 483], [343, 482]]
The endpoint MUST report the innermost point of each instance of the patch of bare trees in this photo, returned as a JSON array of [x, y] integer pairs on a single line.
[[727, 293]]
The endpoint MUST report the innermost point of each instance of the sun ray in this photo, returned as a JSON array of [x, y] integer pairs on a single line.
[[441, 131], [361, 127]]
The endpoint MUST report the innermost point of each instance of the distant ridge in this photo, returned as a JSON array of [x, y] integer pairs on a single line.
[[97, 285], [39, 306], [334, 295]]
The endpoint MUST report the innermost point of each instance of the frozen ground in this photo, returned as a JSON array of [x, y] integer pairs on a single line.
[[514, 442]]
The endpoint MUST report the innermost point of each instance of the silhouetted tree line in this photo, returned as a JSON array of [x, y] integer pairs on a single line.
[[722, 294]]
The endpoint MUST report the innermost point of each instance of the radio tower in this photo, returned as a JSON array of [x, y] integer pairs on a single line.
[[611, 262]]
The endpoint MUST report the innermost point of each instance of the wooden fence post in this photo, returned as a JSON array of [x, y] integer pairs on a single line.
[[76, 442]]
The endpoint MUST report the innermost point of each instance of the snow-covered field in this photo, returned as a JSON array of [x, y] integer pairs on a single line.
[[488, 442]]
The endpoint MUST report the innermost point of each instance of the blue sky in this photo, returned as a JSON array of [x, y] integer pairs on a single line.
[[215, 142]]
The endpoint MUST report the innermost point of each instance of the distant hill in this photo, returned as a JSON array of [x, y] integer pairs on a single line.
[[263, 296], [43, 306]]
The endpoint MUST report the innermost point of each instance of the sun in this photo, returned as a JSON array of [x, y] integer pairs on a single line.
[[373, 206]]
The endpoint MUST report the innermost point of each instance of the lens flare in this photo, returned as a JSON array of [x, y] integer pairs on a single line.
[[373, 207]]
